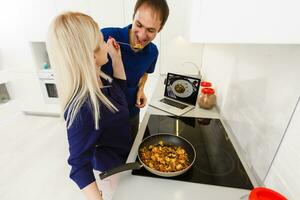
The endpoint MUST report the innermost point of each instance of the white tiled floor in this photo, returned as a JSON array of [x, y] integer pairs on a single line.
[[33, 158]]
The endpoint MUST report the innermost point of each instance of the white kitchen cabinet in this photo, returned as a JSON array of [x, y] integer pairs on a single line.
[[37, 15], [241, 21]]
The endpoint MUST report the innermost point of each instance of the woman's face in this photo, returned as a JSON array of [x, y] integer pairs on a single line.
[[100, 54]]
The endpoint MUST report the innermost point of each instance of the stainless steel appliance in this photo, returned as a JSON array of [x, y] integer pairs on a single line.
[[48, 86]]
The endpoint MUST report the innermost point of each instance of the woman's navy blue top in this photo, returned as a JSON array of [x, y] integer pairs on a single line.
[[104, 148]]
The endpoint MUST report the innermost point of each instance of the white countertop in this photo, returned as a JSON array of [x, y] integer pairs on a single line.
[[131, 187]]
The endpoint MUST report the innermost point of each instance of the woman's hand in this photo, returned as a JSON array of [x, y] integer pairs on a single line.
[[114, 50], [115, 55]]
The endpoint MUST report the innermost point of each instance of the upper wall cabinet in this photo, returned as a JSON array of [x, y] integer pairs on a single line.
[[242, 21], [37, 15]]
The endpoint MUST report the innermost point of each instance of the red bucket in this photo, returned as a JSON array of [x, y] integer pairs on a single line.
[[261, 193]]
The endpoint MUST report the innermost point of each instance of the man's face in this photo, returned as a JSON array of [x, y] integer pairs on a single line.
[[145, 26]]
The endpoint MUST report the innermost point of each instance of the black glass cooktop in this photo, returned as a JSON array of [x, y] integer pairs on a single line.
[[216, 160]]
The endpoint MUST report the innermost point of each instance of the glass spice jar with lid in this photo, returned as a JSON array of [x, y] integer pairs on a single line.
[[207, 98]]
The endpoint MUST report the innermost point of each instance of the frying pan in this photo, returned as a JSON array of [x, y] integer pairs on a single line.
[[168, 139]]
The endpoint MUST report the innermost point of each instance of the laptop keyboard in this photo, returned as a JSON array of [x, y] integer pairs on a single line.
[[173, 103]]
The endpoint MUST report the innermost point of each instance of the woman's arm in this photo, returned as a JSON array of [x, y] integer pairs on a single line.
[[92, 192], [117, 63], [82, 137]]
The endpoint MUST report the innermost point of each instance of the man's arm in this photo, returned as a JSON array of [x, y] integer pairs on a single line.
[[141, 98]]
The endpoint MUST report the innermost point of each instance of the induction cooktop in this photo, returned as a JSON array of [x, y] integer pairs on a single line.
[[217, 162]]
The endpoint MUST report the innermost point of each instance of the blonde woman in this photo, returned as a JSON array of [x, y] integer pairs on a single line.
[[95, 106]]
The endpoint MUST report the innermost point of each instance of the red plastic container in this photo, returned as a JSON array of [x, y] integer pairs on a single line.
[[208, 91], [205, 84], [261, 193]]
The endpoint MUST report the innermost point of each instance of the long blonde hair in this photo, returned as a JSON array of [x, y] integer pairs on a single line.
[[72, 40]]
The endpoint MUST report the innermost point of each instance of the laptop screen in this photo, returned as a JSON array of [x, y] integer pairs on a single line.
[[182, 88]]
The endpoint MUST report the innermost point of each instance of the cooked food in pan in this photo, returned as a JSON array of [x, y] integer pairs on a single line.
[[164, 158]]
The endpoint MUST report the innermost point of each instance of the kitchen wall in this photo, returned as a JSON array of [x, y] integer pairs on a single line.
[[257, 89], [256, 85], [14, 51], [176, 53], [284, 173], [17, 63], [25, 23]]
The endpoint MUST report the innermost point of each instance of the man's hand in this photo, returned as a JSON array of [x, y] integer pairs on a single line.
[[141, 99]]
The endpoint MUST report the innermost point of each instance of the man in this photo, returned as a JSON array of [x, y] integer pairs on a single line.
[[140, 55]]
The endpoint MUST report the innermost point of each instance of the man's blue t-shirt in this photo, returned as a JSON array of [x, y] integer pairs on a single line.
[[136, 64]]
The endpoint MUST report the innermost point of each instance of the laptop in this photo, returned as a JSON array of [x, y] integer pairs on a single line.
[[180, 94]]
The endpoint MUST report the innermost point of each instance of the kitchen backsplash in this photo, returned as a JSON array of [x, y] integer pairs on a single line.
[[284, 173], [257, 89]]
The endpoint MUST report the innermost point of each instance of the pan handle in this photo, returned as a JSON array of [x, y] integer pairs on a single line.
[[125, 167]]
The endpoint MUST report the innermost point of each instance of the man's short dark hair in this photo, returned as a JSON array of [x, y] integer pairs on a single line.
[[160, 6]]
